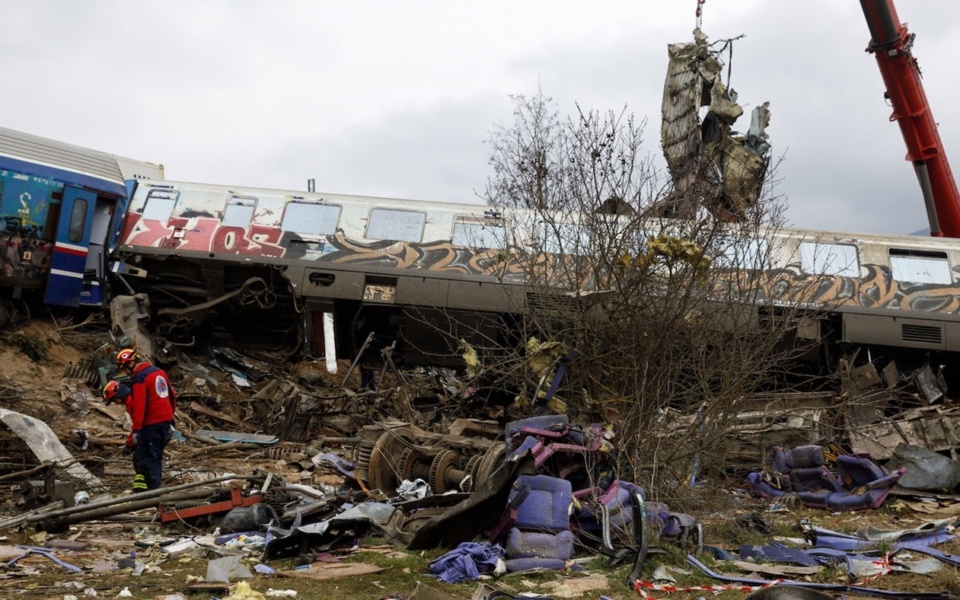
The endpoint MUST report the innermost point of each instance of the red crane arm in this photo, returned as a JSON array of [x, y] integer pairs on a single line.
[[891, 43]]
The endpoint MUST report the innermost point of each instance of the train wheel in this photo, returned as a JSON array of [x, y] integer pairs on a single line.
[[472, 470], [443, 462], [489, 463], [408, 463], [383, 472]]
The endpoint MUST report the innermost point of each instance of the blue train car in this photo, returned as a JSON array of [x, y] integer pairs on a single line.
[[61, 207]]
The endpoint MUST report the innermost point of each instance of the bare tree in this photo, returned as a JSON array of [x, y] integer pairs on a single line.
[[524, 156], [668, 315], [542, 163]]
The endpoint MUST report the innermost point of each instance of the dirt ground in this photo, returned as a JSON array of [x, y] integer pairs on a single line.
[[34, 363]]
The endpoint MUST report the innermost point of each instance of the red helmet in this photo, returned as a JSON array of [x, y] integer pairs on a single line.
[[126, 357], [111, 390]]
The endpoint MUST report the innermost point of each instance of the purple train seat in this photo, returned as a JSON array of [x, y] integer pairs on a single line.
[[856, 470], [547, 505], [525, 564], [862, 484], [811, 479], [533, 544]]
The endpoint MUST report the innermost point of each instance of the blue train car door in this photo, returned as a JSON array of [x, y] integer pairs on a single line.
[[94, 275], [71, 247]]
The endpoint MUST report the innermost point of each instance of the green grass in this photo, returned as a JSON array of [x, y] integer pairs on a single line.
[[403, 570]]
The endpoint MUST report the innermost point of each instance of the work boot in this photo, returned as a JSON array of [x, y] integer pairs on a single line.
[[139, 483]]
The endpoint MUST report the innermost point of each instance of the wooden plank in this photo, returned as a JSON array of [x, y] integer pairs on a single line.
[[203, 410], [115, 412]]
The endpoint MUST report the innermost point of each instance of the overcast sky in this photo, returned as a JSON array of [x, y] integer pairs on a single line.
[[397, 98]]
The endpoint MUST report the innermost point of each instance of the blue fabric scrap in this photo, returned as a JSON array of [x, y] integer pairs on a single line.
[[778, 553], [466, 562]]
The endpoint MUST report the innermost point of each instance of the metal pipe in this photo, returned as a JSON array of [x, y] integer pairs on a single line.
[[21, 519], [883, 22], [356, 360], [923, 176], [140, 496], [51, 522]]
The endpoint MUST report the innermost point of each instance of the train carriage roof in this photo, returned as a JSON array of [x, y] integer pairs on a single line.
[[70, 164]]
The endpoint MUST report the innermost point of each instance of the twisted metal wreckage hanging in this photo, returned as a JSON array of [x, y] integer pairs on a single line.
[[708, 161]]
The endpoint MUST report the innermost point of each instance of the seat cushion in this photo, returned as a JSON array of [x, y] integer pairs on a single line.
[[547, 506], [535, 544]]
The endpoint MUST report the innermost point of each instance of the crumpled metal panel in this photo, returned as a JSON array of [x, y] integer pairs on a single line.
[[743, 172], [726, 167], [683, 95], [935, 428]]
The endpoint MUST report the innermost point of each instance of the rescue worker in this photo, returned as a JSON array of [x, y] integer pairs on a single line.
[[115, 391], [152, 406]]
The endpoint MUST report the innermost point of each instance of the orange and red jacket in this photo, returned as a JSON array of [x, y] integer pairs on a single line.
[[152, 399]]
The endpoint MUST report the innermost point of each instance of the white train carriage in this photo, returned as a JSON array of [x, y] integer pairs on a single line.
[[379, 264], [407, 269], [897, 291]]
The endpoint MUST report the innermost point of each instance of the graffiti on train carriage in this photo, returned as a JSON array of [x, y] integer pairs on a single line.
[[209, 235], [24, 206], [877, 289], [185, 221]]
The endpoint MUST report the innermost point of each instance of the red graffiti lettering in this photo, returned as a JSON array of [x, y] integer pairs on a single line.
[[198, 235]]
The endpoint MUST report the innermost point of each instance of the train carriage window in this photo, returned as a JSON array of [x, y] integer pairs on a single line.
[[818, 258], [399, 225], [479, 235], [310, 219], [78, 221], [742, 253], [565, 238], [239, 212], [160, 204], [920, 266]]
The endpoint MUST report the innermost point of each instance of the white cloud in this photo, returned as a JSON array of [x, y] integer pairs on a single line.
[[390, 98]]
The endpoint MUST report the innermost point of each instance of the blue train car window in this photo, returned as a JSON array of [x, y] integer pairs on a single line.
[[479, 235], [920, 266], [818, 258], [78, 220], [399, 225], [239, 212], [310, 219], [160, 204]]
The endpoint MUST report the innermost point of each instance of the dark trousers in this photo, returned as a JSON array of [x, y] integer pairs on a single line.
[[148, 455]]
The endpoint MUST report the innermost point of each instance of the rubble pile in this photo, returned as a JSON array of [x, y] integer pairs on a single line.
[[874, 409], [282, 472]]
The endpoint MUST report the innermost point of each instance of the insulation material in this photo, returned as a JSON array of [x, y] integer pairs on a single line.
[[45, 444]]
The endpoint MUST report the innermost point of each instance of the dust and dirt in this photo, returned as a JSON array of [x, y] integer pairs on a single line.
[[33, 361]]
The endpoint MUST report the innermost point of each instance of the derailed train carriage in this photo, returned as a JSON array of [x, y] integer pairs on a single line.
[[401, 270], [426, 274], [61, 207], [263, 267]]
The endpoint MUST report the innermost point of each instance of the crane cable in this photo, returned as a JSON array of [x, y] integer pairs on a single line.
[[700, 4]]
